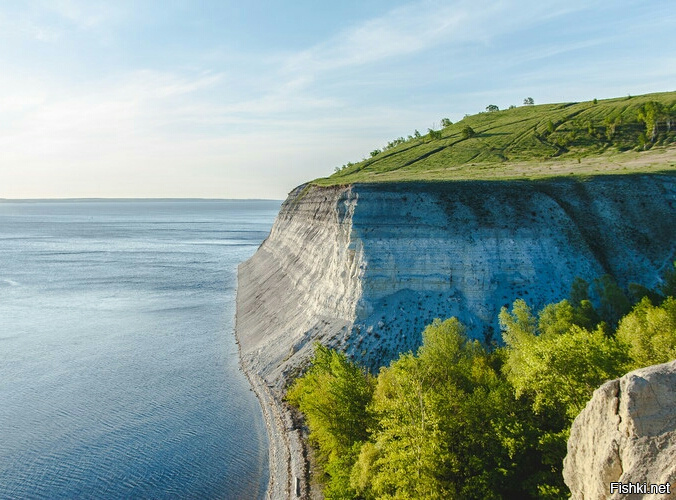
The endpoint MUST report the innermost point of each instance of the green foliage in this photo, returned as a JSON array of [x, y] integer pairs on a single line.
[[558, 363], [556, 319], [509, 149], [650, 332], [638, 292], [579, 291], [584, 314], [407, 403], [650, 114], [492, 108], [668, 287], [613, 302], [528, 101], [445, 122], [394, 143], [333, 396], [454, 420], [562, 371], [449, 426], [550, 126], [467, 132], [434, 134], [408, 437]]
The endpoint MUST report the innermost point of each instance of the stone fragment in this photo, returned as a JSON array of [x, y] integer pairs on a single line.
[[626, 434]]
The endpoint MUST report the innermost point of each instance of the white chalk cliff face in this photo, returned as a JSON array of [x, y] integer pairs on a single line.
[[627, 434], [366, 267]]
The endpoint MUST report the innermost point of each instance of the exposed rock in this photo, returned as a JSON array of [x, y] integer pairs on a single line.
[[365, 267], [626, 434]]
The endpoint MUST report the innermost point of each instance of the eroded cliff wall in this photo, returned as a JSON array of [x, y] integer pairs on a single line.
[[366, 267]]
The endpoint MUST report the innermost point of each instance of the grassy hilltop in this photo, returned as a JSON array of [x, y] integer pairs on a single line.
[[624, 135]]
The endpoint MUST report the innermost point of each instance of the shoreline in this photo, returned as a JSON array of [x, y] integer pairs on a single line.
[[287, 463]]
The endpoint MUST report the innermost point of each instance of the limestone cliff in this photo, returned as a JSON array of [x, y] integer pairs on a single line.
[[365, 267], [627, 434]]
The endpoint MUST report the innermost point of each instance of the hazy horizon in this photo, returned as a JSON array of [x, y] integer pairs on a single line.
[[225, 100], [138, 199]]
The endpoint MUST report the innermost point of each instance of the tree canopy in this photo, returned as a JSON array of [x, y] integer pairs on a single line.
[[456, 419]]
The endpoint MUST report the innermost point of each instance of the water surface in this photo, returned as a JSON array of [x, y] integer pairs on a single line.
[[119, 371]]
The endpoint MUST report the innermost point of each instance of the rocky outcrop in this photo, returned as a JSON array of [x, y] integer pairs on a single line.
[[626, 434], [365, 267]]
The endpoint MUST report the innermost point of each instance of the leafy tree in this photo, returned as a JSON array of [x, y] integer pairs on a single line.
[[450, 426], [579, 291], [585, 315], [456, 421], [333, 396], [650, 332], [528, 101], [560, 369], [650, 114], [491, 108], [583, 311], [519, 326], [611, 126], [556, 319], [467, 132], [638, 292], [613, 302], [407, 402], [416, 134], [375, 153], [668, 286], [434, 134], [394, 142], [550, 126], [445, 122]]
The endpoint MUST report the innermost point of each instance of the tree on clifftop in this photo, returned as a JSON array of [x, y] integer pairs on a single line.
[[467, 132]]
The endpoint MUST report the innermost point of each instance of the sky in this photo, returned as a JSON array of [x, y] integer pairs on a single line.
[[224, 99]]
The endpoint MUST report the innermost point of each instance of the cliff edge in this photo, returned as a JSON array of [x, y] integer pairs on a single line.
[[364, 267]]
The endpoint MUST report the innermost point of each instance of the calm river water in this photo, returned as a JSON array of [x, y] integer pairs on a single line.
[[118, 366]]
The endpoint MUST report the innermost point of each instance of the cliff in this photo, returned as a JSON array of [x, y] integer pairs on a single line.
[[364, 267]]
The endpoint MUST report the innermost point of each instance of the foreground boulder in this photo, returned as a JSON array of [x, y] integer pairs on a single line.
[[626, 434]]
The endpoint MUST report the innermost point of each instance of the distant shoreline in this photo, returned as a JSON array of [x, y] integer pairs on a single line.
[[148, 200], [286, 448]]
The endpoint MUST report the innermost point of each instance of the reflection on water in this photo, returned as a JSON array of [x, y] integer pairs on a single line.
[[118, 368]]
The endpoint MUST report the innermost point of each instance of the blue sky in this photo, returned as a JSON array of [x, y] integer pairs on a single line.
[[236, 100]]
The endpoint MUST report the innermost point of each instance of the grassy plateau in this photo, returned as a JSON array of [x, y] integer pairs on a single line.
[[632, 134]]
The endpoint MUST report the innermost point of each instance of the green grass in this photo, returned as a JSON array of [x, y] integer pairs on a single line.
[[547, 140]]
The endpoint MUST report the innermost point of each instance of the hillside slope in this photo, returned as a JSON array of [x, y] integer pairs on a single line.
[[623, 135], [452, 226]]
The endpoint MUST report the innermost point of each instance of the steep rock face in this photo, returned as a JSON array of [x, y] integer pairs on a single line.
[[366, 267], [626, 433], [302, 283]]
